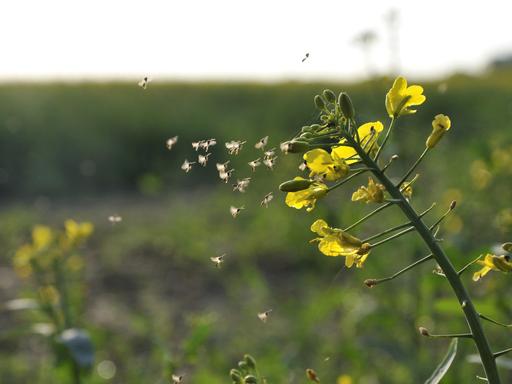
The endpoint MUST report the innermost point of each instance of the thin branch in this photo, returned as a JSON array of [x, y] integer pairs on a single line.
[[494, 321], [364, 218], [498, 354], [373, 282], [413, 167]]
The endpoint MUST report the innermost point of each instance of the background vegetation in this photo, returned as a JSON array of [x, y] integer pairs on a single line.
[[154, 300]]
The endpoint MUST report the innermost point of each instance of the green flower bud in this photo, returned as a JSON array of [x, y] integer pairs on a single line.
[[295, 146], [250, 379], [251, 363], [295, 185], [329, 95], [306, 135], [507, 247], [236, 376], [306, 128], [346, 105], [243, 366], [319, 102]]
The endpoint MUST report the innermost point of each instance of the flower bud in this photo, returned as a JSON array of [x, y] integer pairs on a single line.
[[250, 379], [440, 125], [295, 146], [329, 95], [236, 376], [243, 366], [346, 105], [315, 127], [507, 247], [319, 102], [249, 360], [306, 135], [295, 185]]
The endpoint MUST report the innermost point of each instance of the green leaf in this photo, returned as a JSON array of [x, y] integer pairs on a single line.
[[443, 367]]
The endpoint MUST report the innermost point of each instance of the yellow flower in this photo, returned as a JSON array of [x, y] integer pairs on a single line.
[[400, 97], [22, 261], [76, 232], [368, 134], [440, 125], [344, 379], [329, 167], [307, 197], [492, 263], [335, 242], [374, 193], [42, 237]]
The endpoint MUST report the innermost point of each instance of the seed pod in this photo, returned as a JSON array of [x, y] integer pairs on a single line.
[[306, 135], [315, 127], [250, 379], [295, 185], [346, 105], [236, 376], [319, 102], [329, 95]]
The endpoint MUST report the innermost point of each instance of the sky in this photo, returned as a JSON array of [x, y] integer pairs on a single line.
[[255, 40]]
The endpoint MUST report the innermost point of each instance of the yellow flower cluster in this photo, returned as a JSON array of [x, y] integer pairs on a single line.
[[336, 242], [47, 244]]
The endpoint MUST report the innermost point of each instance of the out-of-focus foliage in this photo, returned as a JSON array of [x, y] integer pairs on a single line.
[[154, 302]]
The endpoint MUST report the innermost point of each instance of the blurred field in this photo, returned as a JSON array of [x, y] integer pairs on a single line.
[[153, 298]]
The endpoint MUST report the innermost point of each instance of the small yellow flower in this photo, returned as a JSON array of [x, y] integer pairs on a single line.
[[344, 379], [307, 197], [440, 125], [492, 263], [328, 167], [368, 134], [374, 193], [22, 261], [400, 97], [335, 242], [42, 237], [76, 232]]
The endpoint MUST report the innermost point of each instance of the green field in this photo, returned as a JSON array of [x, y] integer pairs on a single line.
[[152, 299]]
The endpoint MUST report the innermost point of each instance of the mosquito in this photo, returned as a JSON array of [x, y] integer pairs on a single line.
[[262, 143], [225, 175], [235, 211], [255, 163], [203, 159], [270, 162], [187, 166], [234, 146], [171, 142], [144, 82], [241, 185], [263, 316], [114, 219], [305, 57], [218, 260], [267, 199], [222, 167]]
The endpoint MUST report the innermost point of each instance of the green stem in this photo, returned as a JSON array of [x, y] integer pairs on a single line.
[[396, 235], [396, 228], [498, 354], [472, 316], [390, 128], [60, 282], [364, 218], [373, 282], [339, 184], [413, 167]]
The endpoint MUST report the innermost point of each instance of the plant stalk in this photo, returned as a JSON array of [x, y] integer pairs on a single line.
[[472, 316]]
